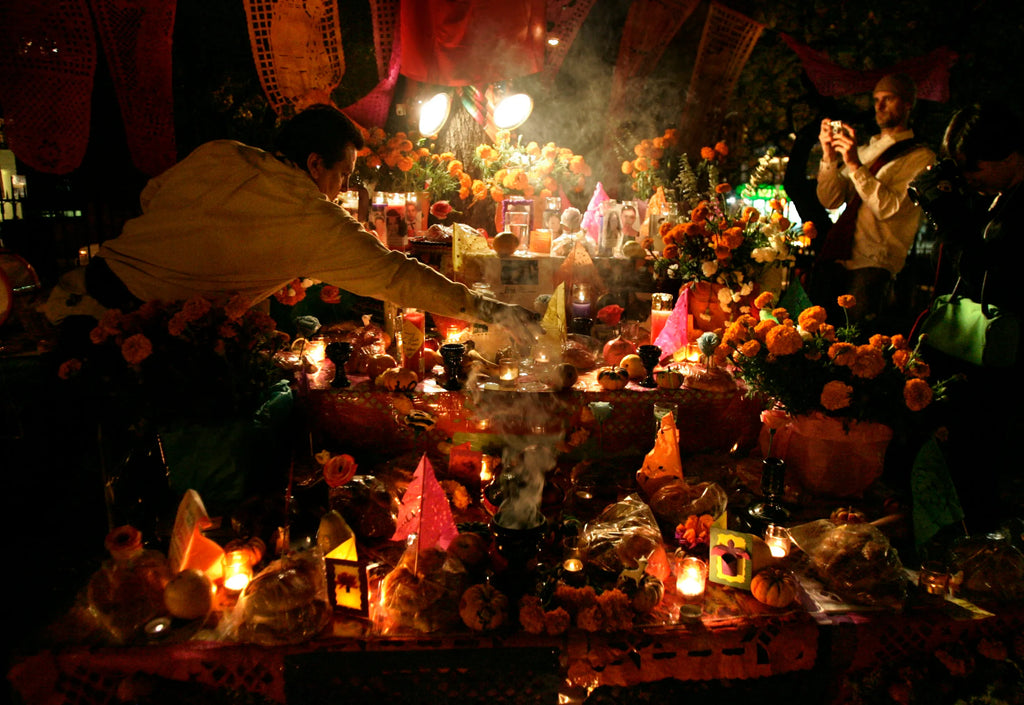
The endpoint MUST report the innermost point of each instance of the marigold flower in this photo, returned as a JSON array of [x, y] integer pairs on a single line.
[[723, 252], [869, 362], [69, 368], [900, 358], [671, 251], [765, 299], [843, 354], [112, 320], [847, 301], [627, 167], [809, 230], [707, 153], [828, 332], [557, 621], [236, 307], [917, 394], [783, 340], [762, 328], [195, 308], [835, 395], [899, 342], [811, 318], [136, 349], [780, 314], [880, 341], [723, 188], [330, 294], [920, 369], [98, 335], [531, 614], [292, 293], [776, 205], [664, 228], [751, 214], [750, 348]]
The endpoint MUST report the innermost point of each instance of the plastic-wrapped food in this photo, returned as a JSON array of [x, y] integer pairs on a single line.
[[368, 506], [855, 561], [987, 568], [623, 534], [286, 603], [424, 593], [677, 500]]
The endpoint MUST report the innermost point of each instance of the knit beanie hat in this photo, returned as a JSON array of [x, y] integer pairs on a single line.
[[899, 83]]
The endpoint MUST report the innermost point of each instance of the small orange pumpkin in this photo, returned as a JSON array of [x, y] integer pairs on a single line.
[[774, 587], [669, 379], [648, 594], [612, 378], [483, 607], [847, 515], [397, 379]]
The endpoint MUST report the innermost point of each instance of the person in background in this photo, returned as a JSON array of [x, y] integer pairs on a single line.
[[231, 219], [868, 245]]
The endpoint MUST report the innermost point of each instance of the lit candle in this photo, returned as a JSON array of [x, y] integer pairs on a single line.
[[540, 241], [580, 300], [508, 371], [933, 579], [486, 475], [83, 256], [413, 333], [452, 335], [237, 570], [778, 540], [661, 309], [691, 577]]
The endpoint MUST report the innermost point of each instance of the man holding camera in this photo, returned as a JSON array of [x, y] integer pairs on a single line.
[[867, 246]]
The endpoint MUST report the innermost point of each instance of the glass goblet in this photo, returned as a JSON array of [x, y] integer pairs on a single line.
[[649, 356]]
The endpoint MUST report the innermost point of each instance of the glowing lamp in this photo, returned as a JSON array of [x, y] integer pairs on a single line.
[[434, 113], [512, 111]]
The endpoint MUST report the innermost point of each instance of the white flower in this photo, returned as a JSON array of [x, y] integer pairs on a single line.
[[709, 268], [763, 255], [746, 289], [725, 296]]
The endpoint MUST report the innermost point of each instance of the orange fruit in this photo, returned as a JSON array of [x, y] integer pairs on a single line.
[[633, 365], [505, 243], [189, 595]]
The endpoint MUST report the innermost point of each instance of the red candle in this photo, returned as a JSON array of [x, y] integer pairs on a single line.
[[661, 309]]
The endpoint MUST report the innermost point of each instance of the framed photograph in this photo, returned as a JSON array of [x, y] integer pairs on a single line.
[[347, 587], [611, 229]]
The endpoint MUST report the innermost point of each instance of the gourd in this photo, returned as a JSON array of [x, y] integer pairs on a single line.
[[648, 594], [612, 378], [397, 379], [847, 515], [774, 587], [669, 379], [483, 607]]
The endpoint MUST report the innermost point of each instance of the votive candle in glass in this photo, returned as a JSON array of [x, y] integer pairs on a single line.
[[508, 371], [580, 303], [691, 577], [778, 540], [540, 241], [237, 570], [661, 309]]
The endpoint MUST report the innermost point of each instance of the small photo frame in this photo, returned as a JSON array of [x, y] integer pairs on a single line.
[[611, 229], [347, 587]]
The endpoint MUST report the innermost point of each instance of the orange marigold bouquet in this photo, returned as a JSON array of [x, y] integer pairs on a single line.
[[191, 357], [654, 163], [508, 168], [394, 163], [808, 365], [719, 242]]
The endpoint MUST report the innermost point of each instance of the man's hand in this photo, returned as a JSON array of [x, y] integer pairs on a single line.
[[845, 143], [825, 140]]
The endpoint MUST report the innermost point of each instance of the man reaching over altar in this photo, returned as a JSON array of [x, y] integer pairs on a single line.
[[232, 219]]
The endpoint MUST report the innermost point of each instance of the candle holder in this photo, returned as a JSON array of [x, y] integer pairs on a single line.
[[581, 325], [661, 310], [778, 540], [339, 353], [933, 580], [508, 372], [451, 357], [691, 582], [573, 568], [773, 482], [649, 356]]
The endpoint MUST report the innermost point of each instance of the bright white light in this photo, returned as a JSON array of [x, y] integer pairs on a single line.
[[553, 41], [434, 113], [512, 111]]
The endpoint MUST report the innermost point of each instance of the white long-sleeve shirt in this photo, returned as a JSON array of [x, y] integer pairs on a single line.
[[887, 220], [232, 219]]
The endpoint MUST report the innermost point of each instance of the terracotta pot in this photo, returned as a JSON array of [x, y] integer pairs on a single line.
[[825, 457]]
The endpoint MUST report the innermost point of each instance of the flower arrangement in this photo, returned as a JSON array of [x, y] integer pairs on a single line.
[[808, 365], [191, 358], [508, 168], [731, 246], [394, 163], [654, 163]]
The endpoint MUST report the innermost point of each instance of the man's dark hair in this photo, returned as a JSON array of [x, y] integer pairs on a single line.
[[319, 129], [984, 131]]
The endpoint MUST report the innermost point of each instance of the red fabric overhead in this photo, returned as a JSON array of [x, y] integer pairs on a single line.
[[47, 65], [472, 42], [136, 38], [930, 72]]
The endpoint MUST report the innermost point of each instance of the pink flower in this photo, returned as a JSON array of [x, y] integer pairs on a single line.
[[441, 209], [330, 294]]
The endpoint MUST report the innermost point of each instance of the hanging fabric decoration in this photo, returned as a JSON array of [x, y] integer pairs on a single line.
[[725, 45], [930, 72], [564, 20], [471, 42], [136, 39], [48, 62], [384, 17], [298, 50], [372, 109]]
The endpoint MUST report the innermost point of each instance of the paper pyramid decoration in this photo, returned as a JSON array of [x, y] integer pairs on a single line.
[[663, 459], [674, 335], [189, 547], [467, 241], [553, 321], [425, 511], [579, 267], [592, 218]]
